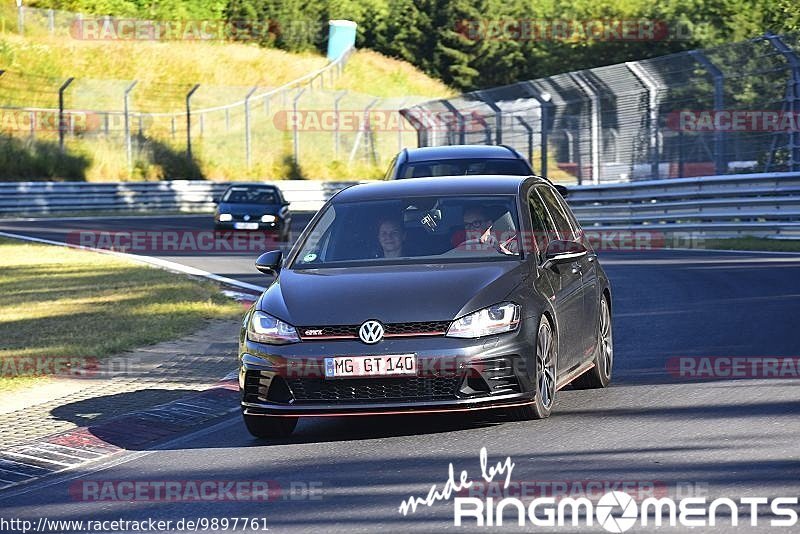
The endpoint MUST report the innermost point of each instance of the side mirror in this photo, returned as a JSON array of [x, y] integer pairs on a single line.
[[270, 262], [560, 251]]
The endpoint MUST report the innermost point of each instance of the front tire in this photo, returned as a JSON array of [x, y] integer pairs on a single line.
[[266, 427], [545, 379], [599, 376]]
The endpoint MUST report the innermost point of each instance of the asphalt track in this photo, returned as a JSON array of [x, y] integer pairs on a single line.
[[651, 429]]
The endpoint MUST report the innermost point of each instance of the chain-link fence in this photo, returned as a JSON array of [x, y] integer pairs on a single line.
[[734, 108]]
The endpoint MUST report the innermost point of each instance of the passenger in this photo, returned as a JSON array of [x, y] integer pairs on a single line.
[[391, 236]]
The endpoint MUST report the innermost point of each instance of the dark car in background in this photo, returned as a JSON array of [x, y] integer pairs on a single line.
[[427, 295], [457, 160], [253, 207]]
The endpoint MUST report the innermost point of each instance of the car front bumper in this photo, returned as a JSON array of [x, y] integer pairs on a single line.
[[453, 375], [262, 226]]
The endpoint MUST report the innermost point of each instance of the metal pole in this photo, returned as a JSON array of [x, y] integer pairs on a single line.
[[462, 136], [189, 120], [364, 130], [400, 125], [529, 129], [51, 21], [408, 115], [61, 125], [295, 134], [545, 124], [651, 85], [498, 117], [720, 161], [20, 17], [336, 123], [128, 148], [545, 101], [247, 125], [792, 97], [594, 99]]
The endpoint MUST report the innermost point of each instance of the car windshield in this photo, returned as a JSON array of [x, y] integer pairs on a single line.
[[441, 229], [250, 195], [460, 167]]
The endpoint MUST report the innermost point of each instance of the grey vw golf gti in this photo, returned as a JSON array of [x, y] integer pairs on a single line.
[[427, 295]]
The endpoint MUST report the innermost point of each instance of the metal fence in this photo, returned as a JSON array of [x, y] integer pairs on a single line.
[[41, 198], [734, 108], [765, 204], [233, 131]]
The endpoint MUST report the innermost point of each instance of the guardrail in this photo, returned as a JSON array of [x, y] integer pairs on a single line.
[[742, 204], [763, 205], [40, 198]]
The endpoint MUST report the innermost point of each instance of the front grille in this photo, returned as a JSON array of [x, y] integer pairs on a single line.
[[409, 329], [375, 389], [429, 328]]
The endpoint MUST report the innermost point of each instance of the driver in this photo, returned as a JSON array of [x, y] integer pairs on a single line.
[[477, 223], [478, 228]]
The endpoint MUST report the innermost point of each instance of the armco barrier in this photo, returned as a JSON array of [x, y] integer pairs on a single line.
[[765, 204], [38, 198]]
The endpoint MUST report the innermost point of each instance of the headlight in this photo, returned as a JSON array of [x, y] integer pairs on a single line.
[[225, 217], [495, 319], [267, 218], [264, 328]]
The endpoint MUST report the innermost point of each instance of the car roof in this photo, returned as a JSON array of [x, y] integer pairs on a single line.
[[252, 185], [459, 152], [439, 185]]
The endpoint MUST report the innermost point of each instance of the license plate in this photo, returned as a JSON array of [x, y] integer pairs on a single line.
[[245, 226], [356, 366]]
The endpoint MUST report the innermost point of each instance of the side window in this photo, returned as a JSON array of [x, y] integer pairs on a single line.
[[560, 217], [578, 231], [542, 225]]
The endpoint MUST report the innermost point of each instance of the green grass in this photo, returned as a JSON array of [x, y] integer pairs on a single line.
[[38, 63], [753, 243], [61, 303]]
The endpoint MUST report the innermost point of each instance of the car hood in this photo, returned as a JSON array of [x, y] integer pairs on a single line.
[[390, 294], [248, 209]]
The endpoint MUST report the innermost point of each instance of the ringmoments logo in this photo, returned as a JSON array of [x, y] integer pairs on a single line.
[[615, 511]]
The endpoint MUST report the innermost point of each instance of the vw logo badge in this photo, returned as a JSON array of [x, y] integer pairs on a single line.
[[246, 217], [371, 332]]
